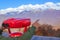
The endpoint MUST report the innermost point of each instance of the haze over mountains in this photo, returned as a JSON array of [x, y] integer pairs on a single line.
[[48, 13]]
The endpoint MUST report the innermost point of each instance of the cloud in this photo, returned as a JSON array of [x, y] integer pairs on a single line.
[[48, 5]]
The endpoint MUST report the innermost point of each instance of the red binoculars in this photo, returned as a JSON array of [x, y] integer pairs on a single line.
[[15, 26]]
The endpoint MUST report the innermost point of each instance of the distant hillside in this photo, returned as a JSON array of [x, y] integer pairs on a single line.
[[49, 16]]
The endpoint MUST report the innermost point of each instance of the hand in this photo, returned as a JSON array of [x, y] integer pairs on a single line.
[[36, 24]]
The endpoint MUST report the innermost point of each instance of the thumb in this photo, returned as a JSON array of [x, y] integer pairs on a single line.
[[36, 21]]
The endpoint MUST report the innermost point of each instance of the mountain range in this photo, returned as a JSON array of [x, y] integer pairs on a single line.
[[49, 16]]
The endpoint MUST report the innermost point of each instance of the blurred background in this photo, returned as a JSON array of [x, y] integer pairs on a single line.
[[47, 11]]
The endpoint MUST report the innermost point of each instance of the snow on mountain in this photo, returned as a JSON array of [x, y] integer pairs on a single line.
[[48, 13]]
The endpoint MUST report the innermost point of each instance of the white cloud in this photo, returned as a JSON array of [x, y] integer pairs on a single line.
[[3, 11], [48, 5]]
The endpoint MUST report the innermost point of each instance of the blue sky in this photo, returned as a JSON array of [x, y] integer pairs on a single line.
[[15, 3]]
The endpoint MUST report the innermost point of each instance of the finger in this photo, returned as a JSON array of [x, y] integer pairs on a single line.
[[36, 21]]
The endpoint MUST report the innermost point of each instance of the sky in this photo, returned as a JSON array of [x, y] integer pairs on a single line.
[[8, 6], [15, 3]]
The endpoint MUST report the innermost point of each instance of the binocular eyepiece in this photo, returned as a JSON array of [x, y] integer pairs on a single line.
[[5, 25]]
